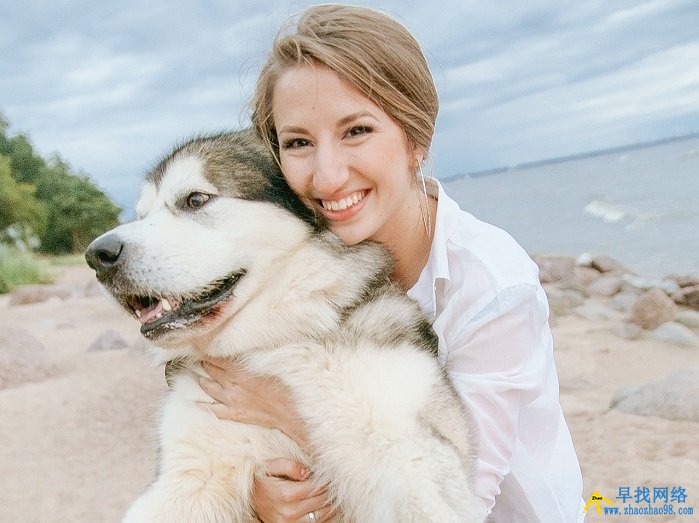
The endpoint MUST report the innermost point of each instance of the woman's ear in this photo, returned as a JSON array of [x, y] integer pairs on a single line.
[[418, 156]]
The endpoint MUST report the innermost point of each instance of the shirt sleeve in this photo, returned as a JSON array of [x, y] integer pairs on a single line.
[[498, 359]]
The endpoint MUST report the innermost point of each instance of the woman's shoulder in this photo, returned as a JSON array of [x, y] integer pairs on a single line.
[[474, 249]]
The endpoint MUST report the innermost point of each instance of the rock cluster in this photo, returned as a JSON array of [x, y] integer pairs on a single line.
[[37, 293], [23, 358], [601, 288], [665, 309]]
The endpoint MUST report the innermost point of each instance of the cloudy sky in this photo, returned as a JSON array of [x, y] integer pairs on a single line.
[[110, 85]]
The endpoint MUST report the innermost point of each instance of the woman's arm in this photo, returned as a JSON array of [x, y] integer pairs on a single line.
[[500, 360], [284, 494]]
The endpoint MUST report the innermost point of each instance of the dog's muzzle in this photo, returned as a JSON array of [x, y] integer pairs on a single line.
[[159, 311]]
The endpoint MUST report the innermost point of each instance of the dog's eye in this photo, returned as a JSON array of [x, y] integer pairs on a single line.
[[197, 199]]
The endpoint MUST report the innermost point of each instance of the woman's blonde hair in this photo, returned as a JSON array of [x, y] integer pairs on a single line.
[[367, 49]]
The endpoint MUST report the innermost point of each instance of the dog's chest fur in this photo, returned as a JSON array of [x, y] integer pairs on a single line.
[[360, 365]]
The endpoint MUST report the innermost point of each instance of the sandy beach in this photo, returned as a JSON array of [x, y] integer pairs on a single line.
[[78, 431]]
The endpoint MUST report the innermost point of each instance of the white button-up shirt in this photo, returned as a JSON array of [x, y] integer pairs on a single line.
[[482, 293]]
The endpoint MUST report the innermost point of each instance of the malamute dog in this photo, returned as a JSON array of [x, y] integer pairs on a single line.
[[224, 260]]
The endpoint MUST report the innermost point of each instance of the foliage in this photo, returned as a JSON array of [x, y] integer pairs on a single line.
[[78, 210], [46, 201], [25, 163], [21, 214], [18, 267]]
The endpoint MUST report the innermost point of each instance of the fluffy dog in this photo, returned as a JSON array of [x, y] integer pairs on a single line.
[[224, 260]]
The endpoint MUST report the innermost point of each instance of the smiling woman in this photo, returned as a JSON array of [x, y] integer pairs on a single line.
[[347, 158], [347, 105]]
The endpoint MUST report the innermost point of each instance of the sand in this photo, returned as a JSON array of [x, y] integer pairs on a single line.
[[80, 444]]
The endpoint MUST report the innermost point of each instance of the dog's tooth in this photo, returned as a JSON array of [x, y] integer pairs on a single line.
[[138, 313], [166, 305], [159, 315]]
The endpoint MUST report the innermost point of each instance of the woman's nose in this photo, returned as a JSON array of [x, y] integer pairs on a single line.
[[330, 171]]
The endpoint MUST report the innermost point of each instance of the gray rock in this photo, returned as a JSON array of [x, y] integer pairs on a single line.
[[677, 334], [555, 268], [685, 280], [595, 311], [108, 340], [607, 285], [585, 259], [22, 358], [688, 318], [38, 293], [644, 284], [563, 301], [653, 308], [675, 397], [624, 300], [628, 331], [584, 276], [688, 296], [607, 264]]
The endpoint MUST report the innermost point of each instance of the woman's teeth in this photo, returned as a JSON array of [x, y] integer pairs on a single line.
[[344, 203]]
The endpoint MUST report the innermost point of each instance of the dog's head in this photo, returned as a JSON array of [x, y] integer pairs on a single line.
[[214, 217]]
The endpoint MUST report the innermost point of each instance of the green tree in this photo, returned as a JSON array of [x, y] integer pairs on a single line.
[[78, 211], [26, 164], [46, 199], [22, 216]]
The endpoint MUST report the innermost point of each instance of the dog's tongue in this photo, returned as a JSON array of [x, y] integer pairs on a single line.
[[149, 313]]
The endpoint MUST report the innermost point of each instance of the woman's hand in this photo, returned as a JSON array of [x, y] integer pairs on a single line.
[[252, 399], [286, 495]]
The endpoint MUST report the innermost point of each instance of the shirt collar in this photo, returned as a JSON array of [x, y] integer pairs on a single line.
[[445, 223], [437, 267]]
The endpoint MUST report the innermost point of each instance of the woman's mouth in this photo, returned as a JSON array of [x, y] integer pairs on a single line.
[[344, 204]]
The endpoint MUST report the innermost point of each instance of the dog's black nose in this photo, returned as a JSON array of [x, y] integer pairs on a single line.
[[104, 252]]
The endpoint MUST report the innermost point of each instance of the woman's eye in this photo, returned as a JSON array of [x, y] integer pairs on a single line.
[[358, 130], [197, 199], [295, 143]]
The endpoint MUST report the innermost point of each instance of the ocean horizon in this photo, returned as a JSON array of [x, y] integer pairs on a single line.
[[638, 204]]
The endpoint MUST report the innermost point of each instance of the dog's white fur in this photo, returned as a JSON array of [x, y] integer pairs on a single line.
[[388, 435]]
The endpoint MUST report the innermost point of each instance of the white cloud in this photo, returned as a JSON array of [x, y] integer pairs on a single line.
[[664, 83], [639, 11], [111, 85]]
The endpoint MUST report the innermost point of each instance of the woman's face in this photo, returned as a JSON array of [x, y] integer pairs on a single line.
[[344, 155]]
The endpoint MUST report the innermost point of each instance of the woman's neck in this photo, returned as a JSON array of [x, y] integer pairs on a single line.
[[411, 248]]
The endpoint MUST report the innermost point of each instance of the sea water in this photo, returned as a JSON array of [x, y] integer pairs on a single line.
[[638, 205]]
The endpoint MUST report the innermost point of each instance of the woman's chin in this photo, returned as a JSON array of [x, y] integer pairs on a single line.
[[350, 234]]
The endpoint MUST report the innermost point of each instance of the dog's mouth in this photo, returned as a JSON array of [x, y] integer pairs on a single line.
[[160, 314]]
